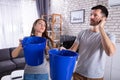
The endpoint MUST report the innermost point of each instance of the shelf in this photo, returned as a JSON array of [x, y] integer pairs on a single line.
[[54, 22], [49, 31]]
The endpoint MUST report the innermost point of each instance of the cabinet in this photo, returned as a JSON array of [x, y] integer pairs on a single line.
[[54, 22]]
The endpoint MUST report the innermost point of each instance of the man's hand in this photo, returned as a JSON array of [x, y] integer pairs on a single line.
[[102, 23], [107, 44]]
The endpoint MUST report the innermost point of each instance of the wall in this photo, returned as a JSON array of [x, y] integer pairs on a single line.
[[65, 6]]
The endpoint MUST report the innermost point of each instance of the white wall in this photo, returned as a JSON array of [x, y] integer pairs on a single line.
[[65, 6]]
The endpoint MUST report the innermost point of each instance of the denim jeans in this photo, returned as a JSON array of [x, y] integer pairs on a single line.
[[36, 77]]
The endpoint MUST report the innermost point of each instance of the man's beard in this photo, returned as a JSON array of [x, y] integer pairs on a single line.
[[94, 23]]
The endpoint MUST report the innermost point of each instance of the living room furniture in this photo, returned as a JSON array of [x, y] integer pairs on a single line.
[[15, 75], [9, 64], [54, 29], [67, 40], [6, 77]]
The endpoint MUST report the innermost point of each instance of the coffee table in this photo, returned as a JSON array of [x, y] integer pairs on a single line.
[[15, 75], [6, 77]]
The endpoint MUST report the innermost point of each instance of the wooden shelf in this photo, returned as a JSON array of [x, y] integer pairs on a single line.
[[54, 31]]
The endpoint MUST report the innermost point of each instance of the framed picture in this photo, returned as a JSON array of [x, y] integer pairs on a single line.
[[77, 16]]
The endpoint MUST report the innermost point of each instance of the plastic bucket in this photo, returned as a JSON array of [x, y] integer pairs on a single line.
[[34, 48], [62, 64]]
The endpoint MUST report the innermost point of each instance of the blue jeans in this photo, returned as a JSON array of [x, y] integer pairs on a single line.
[[36, 77]]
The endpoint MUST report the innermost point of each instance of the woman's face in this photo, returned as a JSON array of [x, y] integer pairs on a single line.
[[40, 26]]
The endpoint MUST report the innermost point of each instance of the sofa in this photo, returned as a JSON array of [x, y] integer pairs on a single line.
[[9, 64], [67, 40]]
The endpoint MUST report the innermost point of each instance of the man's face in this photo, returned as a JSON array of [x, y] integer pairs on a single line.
[[96, 17]]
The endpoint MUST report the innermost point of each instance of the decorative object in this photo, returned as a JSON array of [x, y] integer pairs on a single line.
[[77, 16], [114, 3]]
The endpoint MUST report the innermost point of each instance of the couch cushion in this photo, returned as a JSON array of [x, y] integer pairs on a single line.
[[4, 54], [20, 62], [20, 55], [7, 65], [68, 44], [64, 38], [67, 40]]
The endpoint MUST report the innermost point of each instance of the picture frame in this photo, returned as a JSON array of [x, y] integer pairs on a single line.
[[77, 16]]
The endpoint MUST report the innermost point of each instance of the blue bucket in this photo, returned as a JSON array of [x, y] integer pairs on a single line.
[[34, 49], [62, 64]]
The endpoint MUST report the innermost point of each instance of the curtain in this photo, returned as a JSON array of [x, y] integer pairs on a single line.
[[29, 15], [42, 7], [10, 22], [16, 19]]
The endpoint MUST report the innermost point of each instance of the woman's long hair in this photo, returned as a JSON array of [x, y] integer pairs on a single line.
[[45, 33]]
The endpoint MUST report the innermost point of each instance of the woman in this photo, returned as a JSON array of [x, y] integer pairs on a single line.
[[39, 72]]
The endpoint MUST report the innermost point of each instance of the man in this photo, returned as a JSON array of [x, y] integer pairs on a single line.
[[94, 46]]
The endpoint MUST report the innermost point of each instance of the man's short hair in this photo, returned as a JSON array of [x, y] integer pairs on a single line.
[[102, 8]]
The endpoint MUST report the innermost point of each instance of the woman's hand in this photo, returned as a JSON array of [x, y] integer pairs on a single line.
[[17, 50], [61, 48], [20, 42], [47, 57]]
